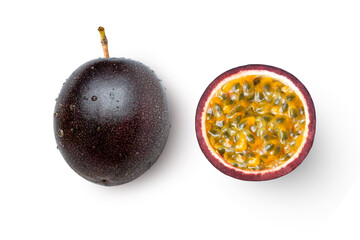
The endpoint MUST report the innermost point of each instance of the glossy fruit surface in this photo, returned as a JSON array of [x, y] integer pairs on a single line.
[[255, 122], [111, 120]]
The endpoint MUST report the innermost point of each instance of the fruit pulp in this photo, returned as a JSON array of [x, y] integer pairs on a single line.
[[255, 122]]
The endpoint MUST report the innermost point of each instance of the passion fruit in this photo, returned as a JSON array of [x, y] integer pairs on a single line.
[[255, 122], [111, 119]]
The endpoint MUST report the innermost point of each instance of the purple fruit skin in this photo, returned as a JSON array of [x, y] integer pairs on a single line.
[[111, 120], [256, 175]]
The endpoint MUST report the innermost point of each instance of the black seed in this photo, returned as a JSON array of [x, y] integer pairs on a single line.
[[213, 132], [242, 125], [251, 99], [221, 151], [293, 113], [277, 101], [241, 96], [277, 150], [283, 135], [247, 86], [237, 119], [266, 137], [239, 108], [280, 119], [250, 138], [260, 96], [290, 97], [266, 118], [249, 112], [257, 81], [229, 102], [284, 107], [236, 87], [269, 147], [218, 108]]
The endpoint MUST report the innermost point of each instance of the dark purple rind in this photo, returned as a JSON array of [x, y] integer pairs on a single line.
[[256, 175], [115, 137]]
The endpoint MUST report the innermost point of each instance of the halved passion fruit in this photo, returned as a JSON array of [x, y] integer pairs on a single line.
[[255, 122]]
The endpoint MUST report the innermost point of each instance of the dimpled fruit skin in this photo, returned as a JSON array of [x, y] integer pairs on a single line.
[[111, 120]]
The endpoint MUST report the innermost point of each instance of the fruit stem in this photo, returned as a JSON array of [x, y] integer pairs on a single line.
[[104, 41]]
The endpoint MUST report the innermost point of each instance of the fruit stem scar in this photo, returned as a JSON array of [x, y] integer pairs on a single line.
[[104, 41]]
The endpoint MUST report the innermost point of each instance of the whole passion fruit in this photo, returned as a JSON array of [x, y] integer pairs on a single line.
[[111, 119], [255, 122]]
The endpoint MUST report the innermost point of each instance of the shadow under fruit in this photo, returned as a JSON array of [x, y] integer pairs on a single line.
[[111, 119]]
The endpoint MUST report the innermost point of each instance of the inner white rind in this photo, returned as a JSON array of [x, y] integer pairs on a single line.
[[275, 76]]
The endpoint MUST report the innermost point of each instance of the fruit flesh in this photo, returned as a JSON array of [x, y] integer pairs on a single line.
[[111, 120], [255, 122]]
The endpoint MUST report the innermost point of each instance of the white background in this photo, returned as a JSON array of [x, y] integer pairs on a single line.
[[188, 44]]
